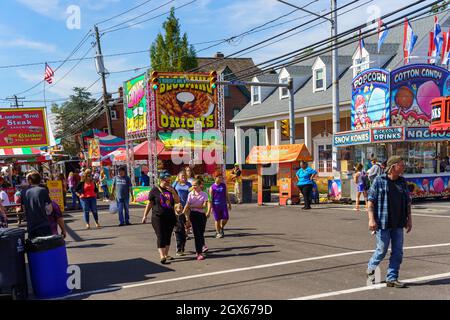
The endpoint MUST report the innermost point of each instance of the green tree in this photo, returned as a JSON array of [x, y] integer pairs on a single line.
[[71, 116], [172, 51]]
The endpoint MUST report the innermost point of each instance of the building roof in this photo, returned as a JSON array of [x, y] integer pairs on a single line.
[[206, 64], [390, 57]]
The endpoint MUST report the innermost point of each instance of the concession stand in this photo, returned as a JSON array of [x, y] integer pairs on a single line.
[[402, 112], [284, 161]]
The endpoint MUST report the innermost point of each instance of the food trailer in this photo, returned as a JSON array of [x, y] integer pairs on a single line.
[[284, 160]]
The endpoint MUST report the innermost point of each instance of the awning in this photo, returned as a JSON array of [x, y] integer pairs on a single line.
[[278, 154], [14, 152]]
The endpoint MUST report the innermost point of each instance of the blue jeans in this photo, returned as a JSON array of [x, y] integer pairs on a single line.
[[123, 205], [89, 204], [75, 198], [105, 191], [395, 237]]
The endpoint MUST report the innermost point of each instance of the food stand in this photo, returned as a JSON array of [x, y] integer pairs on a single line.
[[287, 158], [391, 115]]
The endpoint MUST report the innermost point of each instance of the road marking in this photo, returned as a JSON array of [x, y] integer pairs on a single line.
[[276, 264], [414, 214], [376, 286]]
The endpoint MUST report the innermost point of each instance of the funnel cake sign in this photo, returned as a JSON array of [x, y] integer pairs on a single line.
[[412, 89], [21, 128], [180, 105]]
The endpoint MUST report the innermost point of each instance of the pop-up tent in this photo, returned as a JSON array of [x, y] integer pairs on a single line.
[[288, 157]]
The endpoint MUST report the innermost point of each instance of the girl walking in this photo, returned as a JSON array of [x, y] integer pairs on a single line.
[[360, 178], [182, 186], [219, 197], [197, 211]]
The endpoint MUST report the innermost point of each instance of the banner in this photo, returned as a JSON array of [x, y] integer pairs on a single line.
[[141, 195], [23, 128], [424, 134], [351, 138], [180, 105], [370, 99], [93, 149], [390, 134], [209, 139], [335, 189], [412, 89], [428, 187], [56, 192], [136, 105]]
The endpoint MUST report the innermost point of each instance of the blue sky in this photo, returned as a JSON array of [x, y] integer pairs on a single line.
[[36, 31]]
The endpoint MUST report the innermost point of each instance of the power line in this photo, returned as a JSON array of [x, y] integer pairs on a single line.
[[109, 30], [125, 12], [116, 27]]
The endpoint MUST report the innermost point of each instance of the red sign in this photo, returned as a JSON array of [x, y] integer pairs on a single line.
[[23, 128]]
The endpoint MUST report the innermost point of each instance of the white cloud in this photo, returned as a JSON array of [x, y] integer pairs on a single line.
[[28, 44], [48, 8]]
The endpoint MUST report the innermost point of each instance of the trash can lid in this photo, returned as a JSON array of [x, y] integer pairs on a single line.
[[11, 233], [39, 244]]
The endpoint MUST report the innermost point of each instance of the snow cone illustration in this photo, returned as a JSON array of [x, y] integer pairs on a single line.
[[426, 185], [362, 119]]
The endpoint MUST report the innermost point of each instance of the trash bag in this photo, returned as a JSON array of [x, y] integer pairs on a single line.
[[113, 209]]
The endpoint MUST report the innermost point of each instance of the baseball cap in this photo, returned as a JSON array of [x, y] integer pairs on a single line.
[[392, 161], [164, 175]]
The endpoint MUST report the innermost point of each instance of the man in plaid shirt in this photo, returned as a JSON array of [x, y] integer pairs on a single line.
[[389, 212]]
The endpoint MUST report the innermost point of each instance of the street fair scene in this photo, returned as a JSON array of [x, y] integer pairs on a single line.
[[317, 169]]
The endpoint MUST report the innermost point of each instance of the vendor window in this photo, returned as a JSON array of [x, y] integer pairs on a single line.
[[325, 158]]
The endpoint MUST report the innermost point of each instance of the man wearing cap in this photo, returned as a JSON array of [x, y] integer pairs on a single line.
[[389, 212], [236, 178]]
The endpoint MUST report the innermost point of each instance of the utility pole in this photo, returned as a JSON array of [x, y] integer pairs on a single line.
[[291, 111], [101, 71], [16, 101], [335, 85]]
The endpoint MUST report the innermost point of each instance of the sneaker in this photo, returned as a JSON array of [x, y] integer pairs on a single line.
[[121, 225], [180, 253], [128, 223], [205, 249], [200, 257], [164, 261], [169, 258], [218, 236], [222, 233], [370, 276], [395, 284]]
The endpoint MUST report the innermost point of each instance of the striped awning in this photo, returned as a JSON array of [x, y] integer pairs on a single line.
[[13, 152]]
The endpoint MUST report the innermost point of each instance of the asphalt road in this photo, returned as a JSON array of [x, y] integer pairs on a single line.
[[268, 252]]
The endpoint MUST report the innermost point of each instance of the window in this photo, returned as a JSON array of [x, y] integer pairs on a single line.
[[360, 64], [114, 115], [319, 83], [284, 91], [325, 158], [235, 111], [226, 91], [256, 95]]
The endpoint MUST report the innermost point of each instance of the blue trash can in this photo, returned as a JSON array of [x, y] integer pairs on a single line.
[[47, 259]]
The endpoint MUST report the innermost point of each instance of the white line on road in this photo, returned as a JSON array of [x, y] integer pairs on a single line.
[[414, 214], [376, 286], [276, 264]]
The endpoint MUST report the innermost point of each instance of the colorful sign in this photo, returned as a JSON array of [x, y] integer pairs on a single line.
[[429, 187], [390, 134], [351, 138], [335, 189], [141, 195], [370, 99], [424, 134], [181, 105], [412, 89], [135, 105], [93, 149], [23, 128], [56, 192], [209, 139]]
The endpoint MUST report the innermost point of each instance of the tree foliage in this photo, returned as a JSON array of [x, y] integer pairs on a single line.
[[70, 116], [440, 7], [171, 51]]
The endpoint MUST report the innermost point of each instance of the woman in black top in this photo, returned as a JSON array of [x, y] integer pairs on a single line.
[[162, 200]]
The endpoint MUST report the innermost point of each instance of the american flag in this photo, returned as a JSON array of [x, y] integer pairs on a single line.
[[49, 73]]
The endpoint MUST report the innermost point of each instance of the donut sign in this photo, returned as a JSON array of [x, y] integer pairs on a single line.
[[24, 127]]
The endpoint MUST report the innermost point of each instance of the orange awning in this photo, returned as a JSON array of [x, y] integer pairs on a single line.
[[278, 154]]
